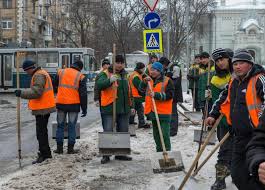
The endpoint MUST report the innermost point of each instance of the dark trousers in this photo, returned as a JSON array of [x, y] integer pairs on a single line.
[[42, 135], [122, 122], [225, 151], [139, 108], [239, 170], [197, 105], [174, 119]]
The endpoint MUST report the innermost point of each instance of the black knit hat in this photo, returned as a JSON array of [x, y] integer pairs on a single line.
[[220, 53], [197, 56], [153, 56], [230, 52], [205, 55], [243, 55], [105, 62], [28, 64], [164, 61], [78, 65], [140, 65], [119, 58]]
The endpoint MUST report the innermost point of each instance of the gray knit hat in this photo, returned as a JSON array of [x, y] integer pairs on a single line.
[[243, 55]]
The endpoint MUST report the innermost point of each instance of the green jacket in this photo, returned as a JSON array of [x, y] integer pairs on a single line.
[[169, 93], [202, 83], [193, 75], [123, 100], [217, 85]]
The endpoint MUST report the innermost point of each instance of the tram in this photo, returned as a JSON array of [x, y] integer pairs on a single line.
[[50, 59]]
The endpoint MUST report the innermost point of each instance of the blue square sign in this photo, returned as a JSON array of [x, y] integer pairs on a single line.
[[152, 40]]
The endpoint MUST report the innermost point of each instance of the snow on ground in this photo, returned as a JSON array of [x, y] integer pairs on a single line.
[[84, 171]]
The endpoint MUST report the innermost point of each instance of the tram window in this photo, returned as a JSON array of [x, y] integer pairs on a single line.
[[65, 61], [86, 62], [22, 56], [8, 67], [48, 59], [76, 58]]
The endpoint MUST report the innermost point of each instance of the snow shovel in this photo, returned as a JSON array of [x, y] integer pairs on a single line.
[[18, 119], [114, 143], [211, 153], [166, 162], [200, 152]]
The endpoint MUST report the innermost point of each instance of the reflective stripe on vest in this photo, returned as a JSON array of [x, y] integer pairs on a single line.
[[69, 79], [46, 100], [163, 106], [253, 102], [135, 92]]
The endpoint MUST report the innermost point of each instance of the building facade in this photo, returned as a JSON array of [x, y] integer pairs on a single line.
[[30, 23], [234, 26]]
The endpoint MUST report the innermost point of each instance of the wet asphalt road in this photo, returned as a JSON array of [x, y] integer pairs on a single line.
[[8, 135]]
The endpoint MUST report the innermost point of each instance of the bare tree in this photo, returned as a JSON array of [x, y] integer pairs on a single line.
[[178, 33], [125, 20]]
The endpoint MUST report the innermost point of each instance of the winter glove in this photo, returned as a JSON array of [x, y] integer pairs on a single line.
[[84, 114], [113, 78], [208, 94], [146, 79], [18, 93], [97, 103]]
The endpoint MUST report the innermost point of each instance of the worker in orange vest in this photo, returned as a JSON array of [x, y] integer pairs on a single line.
[[162, 91], [135, 80], [241, 103], [41, 102], [115, 86], [71, 95]]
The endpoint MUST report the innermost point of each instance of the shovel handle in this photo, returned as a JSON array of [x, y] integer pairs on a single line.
[[200, 152], [114, 86], [211, 153], [159, 127]]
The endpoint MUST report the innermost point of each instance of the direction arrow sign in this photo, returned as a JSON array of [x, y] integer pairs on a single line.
[[152, 20], [153, 41], [151, 4]]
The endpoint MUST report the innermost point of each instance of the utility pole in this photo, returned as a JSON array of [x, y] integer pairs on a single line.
[[188, 40], [168, 29]]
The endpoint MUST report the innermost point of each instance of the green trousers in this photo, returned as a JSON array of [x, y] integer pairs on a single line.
[[165, 126]]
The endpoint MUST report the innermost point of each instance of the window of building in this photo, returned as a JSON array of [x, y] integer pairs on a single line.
[[33, 7], [7, 40], [252, 32], [7, 4], [7, 24]]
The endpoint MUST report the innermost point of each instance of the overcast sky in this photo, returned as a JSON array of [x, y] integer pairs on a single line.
[[234, 2]]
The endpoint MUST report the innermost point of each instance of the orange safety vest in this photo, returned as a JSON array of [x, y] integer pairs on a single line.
[[135, 92], [162, 106], [46, 100], [253, 102], [68, 86], [108, 94]]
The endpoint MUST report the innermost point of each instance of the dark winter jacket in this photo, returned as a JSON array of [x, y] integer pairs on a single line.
[[256, 148], [35, 91], [241, 123], [174, 73], [82, 95]]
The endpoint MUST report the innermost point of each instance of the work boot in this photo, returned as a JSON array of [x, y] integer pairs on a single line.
[[59, 149], [71, 149], [41, 158], [222, 172], [172, 134], [125, 158], [105, 159], [144, 126]]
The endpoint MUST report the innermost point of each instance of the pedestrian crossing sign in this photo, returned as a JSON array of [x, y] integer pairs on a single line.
[[153, 41]]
